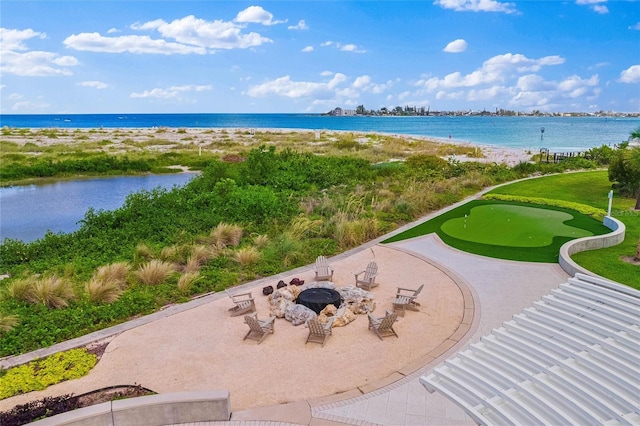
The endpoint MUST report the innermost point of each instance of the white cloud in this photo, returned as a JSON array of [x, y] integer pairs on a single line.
[[286, 87], [94, 42], [574, 82], [513, 80], [15, 96], [171, 92], [94, 84], [29, 106], [596, 5], [362, 81], [308, 49], [630, 75], [187, 35], [13, 39], [476, 5], [456, 46], [493, 70], [350, 47], [113, 31], [210, 34], [301, 25], [16, 58], [256, 15], [635, 27], [36, 64]]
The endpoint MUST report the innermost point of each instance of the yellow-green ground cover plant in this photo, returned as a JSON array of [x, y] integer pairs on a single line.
[[40, 374], [262, 212]]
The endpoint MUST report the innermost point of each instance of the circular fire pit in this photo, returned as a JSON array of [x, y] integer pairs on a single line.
[[317, 299]]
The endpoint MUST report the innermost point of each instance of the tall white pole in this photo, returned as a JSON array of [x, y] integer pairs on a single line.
[[610, 200]]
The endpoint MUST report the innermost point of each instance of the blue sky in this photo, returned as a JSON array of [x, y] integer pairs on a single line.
[[313, 56]]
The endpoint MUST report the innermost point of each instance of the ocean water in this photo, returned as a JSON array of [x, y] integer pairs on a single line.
[[561, 134]]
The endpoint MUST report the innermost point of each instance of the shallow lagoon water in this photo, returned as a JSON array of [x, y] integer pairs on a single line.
[[28, 212]]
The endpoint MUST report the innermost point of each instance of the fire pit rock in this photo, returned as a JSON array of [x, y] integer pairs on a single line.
[[359, 301], [342, 316], [281, 299], [298, 314]]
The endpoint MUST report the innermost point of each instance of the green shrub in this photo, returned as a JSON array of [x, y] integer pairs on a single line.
[[580, 208], [40, 374]]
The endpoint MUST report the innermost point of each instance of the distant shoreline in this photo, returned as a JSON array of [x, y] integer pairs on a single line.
[[562, 134], [185, 136]]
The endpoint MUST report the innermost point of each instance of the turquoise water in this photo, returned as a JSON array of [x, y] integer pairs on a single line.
[[561, 134]]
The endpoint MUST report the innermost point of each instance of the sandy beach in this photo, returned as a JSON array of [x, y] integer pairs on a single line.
[[227, 140]]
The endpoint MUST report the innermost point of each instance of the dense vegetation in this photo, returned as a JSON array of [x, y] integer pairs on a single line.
[[253, 214]]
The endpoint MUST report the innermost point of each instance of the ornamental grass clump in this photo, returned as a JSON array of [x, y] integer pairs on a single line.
[[52, 291], [8, 322], [201, 254], [20, 289], [246, 256], [154, 272], [117, 272], [302, 226], [187, 280], [103, 291], [225, 234], [261, 241], [142, 252]]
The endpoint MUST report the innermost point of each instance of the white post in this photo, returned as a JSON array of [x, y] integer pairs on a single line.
[[610, 199]]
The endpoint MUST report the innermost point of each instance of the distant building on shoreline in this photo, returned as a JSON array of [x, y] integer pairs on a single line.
[[422, 111], [339, 112]]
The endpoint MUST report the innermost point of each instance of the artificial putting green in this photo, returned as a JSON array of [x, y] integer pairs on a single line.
[[508, 230], [512, 226]]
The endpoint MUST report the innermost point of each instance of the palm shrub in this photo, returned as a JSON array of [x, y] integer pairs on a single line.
[[154, 272]]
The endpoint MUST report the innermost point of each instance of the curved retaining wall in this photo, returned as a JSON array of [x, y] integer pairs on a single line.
[[152, 410], [590, 243]]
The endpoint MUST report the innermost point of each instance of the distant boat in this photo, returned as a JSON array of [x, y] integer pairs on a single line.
[[67, 119]]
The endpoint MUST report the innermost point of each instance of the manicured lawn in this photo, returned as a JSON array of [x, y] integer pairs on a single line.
[[591, 188], [503, 230]]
